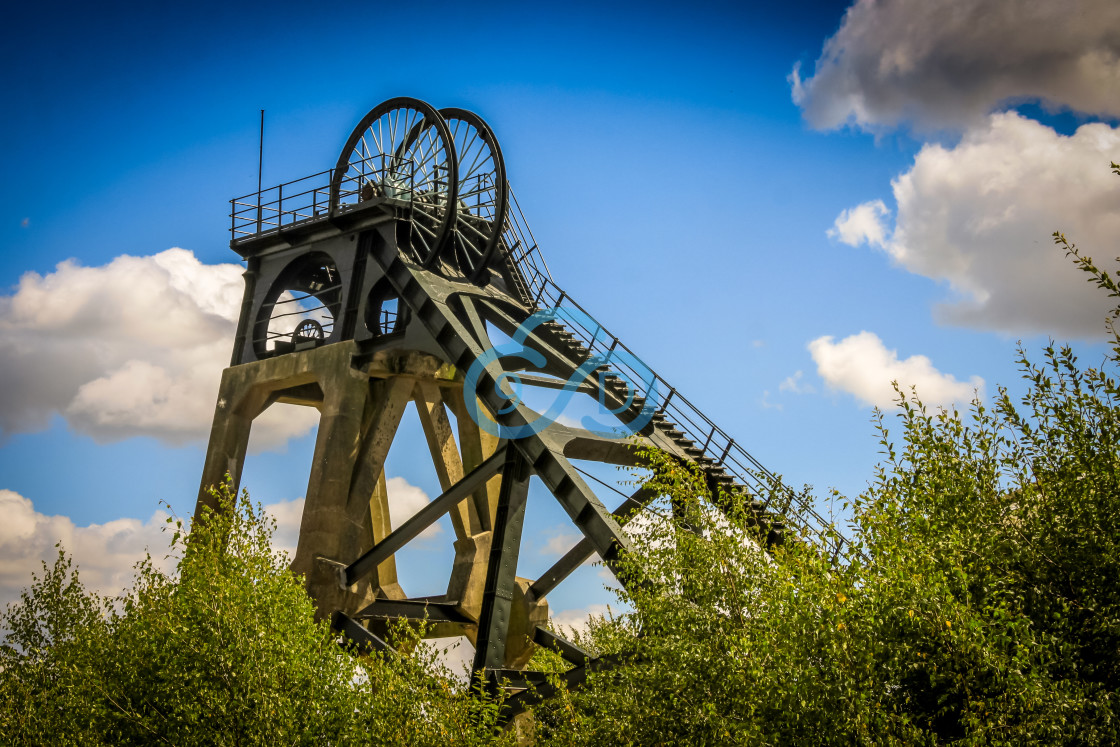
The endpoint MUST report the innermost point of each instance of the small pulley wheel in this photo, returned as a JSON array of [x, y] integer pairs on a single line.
[[308, 329]]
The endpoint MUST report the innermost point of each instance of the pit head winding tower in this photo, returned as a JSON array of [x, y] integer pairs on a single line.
[[406, 276]]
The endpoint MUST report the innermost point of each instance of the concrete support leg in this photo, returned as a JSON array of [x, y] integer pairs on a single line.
[[445, 455], [385, 577], [472, 554], [239, 401], [330, 525], [476, 446], [384, 408]]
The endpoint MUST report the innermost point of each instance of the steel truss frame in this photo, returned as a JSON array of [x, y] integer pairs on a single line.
[[347, 546]]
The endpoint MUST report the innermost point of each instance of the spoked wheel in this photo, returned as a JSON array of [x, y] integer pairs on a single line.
[[308, 329], [480, 208], [401, 153]]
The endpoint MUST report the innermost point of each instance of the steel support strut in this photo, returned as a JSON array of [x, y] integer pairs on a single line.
[[424, 518], [501, 574], [584, 549]]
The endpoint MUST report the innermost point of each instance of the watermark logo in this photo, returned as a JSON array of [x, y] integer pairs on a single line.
[[617, 377]]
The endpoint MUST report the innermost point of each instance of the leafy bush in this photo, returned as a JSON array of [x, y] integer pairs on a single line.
[[977, 602], [224, 651]]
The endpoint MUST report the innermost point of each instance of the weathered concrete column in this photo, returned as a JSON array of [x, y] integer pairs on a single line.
[[445, 455], [244, 393], [385, 577], [384, 407], [332, 525], [238, 403], [476, 446]]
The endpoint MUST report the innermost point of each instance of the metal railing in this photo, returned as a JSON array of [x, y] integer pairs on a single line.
[[309, 198], [281, 206], [285, 314], [712, 440], [527, 264], [387, 321]]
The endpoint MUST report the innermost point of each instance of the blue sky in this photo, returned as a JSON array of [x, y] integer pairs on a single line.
[[780, 209]]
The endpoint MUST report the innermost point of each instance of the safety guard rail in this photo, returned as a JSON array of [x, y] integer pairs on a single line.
[[712, 440]]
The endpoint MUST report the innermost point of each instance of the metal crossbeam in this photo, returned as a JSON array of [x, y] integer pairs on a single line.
[[583, 549], [516, 679], [570, 651], [573, 678], [550, 382], [423, 518], [363, 640], [413, 609]]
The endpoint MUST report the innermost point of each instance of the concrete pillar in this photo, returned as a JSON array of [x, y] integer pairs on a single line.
[[331, 526], [239, 401], [445, 454]]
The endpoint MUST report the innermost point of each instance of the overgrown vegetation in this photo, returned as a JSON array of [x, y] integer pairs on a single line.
[[978, 601], [224, 651]]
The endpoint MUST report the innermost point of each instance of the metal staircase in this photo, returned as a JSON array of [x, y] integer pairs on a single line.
[[728, 466]]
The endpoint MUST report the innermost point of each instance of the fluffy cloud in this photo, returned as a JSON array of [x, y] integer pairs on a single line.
[[949, 63], [105, 554], [862, 366], [405, 499], [578, 620], [863, 224], [559, 543], [288, 515], [795, 384], [456, 653], [979, 216], [134, 347]]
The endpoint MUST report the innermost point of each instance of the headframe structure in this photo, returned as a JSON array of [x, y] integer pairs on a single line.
[[380, 283]]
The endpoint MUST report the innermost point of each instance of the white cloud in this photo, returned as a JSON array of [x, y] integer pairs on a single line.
[[105, 554], [862, 224], [405, 499], [862, 366], [578, 619], [796, 384], [135, 347], [288, 516], [767, 403], [979, 216], [275, 426], [560, 543], [456, 653], [949, 63]]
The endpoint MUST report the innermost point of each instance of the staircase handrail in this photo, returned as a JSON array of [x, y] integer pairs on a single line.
[[712, 440]]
